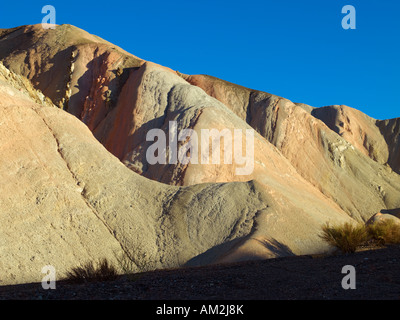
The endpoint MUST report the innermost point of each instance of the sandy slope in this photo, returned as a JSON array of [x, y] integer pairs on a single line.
[[77, 185]]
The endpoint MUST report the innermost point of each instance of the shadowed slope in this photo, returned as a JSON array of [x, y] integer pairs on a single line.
[[66, 200], [68, 197], [336, 161]]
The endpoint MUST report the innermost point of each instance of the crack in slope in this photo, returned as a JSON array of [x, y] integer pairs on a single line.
[[78, 183]]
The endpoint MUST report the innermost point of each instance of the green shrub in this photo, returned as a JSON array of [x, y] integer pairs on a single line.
[[347, 237], [103, 271]]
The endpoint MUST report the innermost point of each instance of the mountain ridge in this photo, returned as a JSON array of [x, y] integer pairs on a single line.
[[79, 177]]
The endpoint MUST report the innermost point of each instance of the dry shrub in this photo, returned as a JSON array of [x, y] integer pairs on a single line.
[[347, 237], [103, 271]]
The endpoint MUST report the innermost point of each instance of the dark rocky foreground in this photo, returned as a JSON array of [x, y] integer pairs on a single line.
[[291, 278]]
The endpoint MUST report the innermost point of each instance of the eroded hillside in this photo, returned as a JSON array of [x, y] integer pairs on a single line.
[[78, 186]]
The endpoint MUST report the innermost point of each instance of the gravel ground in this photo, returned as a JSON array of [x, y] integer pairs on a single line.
[[291, 278]]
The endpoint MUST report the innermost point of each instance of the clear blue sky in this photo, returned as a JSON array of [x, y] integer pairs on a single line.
[[291, 48]]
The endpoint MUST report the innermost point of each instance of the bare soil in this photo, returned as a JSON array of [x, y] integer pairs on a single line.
[[290, 278]]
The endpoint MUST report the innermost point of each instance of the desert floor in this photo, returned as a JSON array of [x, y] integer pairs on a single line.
[[290, 278]]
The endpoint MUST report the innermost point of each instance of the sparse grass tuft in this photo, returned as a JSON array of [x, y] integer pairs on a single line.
[[347, 237], [384, 232], [103, 271]]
